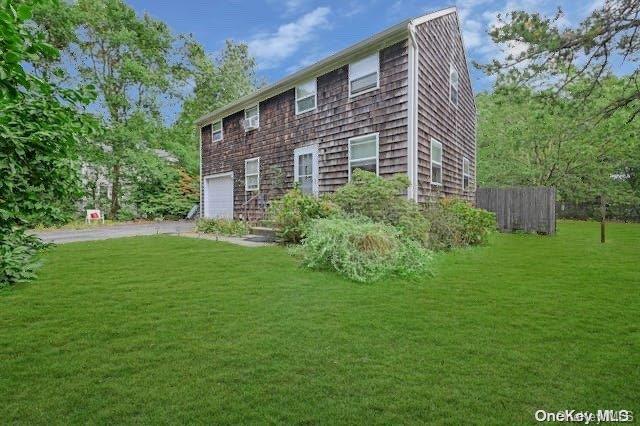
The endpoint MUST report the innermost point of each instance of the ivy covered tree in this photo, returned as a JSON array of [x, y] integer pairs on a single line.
[[40, 129]]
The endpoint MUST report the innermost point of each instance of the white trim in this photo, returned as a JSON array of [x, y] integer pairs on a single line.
[[377, 86], [412, 114], [377, 157], [252, 174], [439, 163], [221, 131], [433, 15], [452, 68], [257, 107], [466, 160], [315, 96], [205, 195], [313, 150]]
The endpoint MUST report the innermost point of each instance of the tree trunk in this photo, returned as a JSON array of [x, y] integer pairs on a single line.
[[603, 214], [115, 191]]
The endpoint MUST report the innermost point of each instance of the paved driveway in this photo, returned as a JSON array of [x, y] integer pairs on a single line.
[[115, 231]]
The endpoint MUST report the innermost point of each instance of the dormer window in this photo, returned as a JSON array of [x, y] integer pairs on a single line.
[[252, 118], [306, 97], [454, 82], [364, 75]]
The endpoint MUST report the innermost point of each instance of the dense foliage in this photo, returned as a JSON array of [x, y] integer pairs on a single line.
[[226, 227], [292, 213], [368, 229], [382, 200], [528, 137], [549, 53], [40, 128], [19, 253], [362, 250], [456, 223]]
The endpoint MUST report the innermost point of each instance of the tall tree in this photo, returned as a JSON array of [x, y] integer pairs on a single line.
[[548, 54], [134, 62]]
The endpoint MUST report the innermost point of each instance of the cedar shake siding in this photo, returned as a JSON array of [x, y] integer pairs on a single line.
[[336, 119], [439, 45], [414, 62]]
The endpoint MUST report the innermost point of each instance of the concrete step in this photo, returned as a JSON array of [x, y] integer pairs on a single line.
[[268, 233]]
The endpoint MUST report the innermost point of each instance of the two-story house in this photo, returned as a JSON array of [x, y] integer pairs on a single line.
[[398, 102]]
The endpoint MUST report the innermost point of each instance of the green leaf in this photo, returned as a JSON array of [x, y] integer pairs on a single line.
[[24, 12]]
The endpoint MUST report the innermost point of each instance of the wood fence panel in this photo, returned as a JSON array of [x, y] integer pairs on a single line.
[[530, 209]]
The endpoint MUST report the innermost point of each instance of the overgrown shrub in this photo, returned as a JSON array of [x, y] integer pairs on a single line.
[[292, 214], [362, 250], [456, 223], [18, 256], [226, 227], [383, 200]]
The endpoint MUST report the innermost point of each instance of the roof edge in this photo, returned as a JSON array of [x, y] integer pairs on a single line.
[[378, 41]]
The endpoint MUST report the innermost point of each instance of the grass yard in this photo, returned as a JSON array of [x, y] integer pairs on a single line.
[[173, 330]]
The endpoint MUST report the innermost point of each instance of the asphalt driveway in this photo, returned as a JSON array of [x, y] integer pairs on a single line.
[[62, 236]]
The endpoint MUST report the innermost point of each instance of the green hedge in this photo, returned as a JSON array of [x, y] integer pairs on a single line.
[[456, 223], [385, 201], [292, 214], [226, 227]]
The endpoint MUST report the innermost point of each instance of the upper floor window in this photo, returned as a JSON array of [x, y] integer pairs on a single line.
[[363, 153], [454, 81], [306, 96], [466, 173], [252, 174], [252, 118], [436, 162], [217, 131], [364, 75]]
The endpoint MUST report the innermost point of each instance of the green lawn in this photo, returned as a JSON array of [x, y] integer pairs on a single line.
[[171, 330]]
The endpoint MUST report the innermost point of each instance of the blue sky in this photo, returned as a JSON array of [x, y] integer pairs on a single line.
[[289, 34]]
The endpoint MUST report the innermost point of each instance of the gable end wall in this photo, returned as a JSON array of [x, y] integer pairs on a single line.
[[439, 44]]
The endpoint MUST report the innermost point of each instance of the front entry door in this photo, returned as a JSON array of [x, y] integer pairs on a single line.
[[305, 169]]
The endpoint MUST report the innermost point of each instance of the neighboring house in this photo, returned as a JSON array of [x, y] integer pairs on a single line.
[[398, 102]]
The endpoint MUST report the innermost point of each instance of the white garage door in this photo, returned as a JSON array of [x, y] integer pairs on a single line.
[[218, 196]]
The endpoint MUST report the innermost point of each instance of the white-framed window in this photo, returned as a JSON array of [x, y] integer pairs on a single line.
[[252, 174], [216, 131], [466, 173], [436, 162], [364, 75], [252, 117], [305, 169], [363, 153], [454, 83], [306, 98]]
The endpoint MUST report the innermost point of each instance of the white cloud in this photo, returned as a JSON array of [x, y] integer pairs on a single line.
[[473, 33], [293, 5], [270, 49]]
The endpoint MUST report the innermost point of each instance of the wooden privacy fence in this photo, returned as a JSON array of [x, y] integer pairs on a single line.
[[530, 209]]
